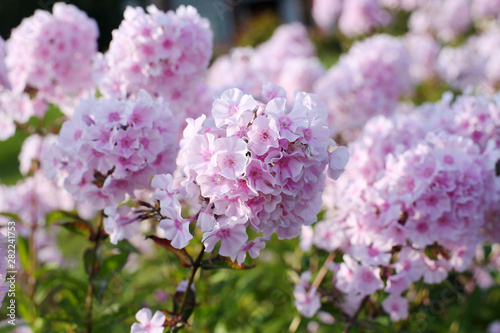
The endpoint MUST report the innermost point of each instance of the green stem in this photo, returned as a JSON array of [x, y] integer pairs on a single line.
[[32, 269], [93, 272], [195, 267]]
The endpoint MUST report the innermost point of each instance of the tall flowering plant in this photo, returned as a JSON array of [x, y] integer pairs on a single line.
[[415, 206], [251, 166]]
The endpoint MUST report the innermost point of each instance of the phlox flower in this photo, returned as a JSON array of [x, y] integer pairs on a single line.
[[175, 227], [307, 299], [367, 280], [232, 239], [253, 248], [119, 223], [231, 156], [147, 323], [396, 306], [253, 165], [263, 135], [228, 109]]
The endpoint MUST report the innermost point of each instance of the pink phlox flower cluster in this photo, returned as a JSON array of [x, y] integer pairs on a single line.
[[289, 41], [31, 200], [418, 199], [147, 322], [485, 9], [237, 69], [288, 59], [109, 148], [361, 16], [423, 51], [252, 165], [201, 99], [474, 116], [445, 19], [166, 54], [326, 13], [53, 54], [19, 108], [444, 187], [33, 158], [472, 64], [441, 188], [307, 299], [369, 80], [353, 17], [300, 73]]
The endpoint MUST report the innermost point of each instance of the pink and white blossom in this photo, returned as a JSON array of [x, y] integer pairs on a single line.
[[100, 159], [255, 165], [148, 323], [164, 53], [53, 54]]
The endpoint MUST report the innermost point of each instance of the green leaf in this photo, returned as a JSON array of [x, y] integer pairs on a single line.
[[23, 249], [79, 228], [25, 307], [87, 260], [11, 216], [107, 269], [220, 262], [100, 287], [125, 246], [182, 254], [112, 265], [8, 328], [61, 216]]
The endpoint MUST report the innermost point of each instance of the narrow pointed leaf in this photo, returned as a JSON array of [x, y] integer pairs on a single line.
[[23, 249], [87, 260], [62, 216], [11, 216], [80, 228], [182, 254]]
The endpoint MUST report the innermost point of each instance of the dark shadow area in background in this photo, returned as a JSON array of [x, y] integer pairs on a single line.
[[107, 13]]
